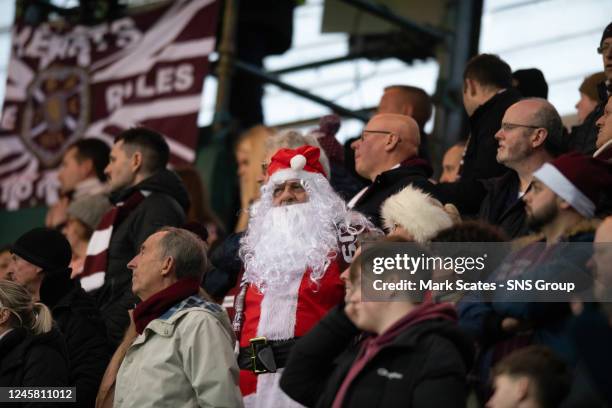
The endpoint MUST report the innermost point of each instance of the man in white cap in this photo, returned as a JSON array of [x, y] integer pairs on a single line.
[[299, 239], [565, 194], [560, 205]]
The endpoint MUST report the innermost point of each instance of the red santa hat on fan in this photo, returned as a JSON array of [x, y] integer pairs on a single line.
[[301, 163], [578, 179]]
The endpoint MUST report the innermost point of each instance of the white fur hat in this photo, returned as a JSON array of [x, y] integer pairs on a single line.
[[417, 212]]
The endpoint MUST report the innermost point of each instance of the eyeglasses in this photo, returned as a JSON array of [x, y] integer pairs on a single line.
[[377, 132], [507, 127], [295, 187], [604, 48]]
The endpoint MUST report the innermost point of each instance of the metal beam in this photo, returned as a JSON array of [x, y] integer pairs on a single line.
[[402, 22], [316, 119], [317, 64], [227, 51], [449, 112], [267, 77]]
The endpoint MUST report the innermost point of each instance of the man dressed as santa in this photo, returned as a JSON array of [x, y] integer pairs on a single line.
[[300, 237]]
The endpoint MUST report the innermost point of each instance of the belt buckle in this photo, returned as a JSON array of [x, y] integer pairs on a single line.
[[255, 343]]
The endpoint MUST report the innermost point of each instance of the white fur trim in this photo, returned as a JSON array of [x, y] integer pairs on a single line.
[[277, 320], [278, 312], [298, 162], [269, 394], [417, 212], [560, 185], [289, 174]]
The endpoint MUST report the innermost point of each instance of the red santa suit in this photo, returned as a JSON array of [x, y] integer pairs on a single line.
[[285, 316], [291, 312]]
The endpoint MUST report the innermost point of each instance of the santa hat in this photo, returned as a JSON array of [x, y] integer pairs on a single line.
[[417, 212], [578, 179], [300, 163]]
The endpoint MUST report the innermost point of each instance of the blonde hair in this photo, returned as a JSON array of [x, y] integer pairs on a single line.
[[253, 141], [33, 316]]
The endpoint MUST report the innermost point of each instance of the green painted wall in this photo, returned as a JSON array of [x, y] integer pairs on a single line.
[[15, 223]]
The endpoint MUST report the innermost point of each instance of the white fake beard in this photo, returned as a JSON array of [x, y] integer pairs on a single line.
[[285, 241]]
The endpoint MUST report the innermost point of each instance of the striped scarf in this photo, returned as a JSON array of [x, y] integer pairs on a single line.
[[96, 260]]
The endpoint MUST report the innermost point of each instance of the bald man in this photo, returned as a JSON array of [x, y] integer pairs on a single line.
[[531, 134], [451, 163], [386, 154]]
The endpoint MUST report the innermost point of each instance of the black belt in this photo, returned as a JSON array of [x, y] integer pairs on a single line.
[[265, 356]]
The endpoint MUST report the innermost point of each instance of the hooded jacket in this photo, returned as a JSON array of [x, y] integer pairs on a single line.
[[165, 206], [409, 371], [479, 161], [28, 360]]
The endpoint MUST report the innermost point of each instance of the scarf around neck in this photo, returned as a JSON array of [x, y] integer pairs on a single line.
[[372, 345], [96, 259], [159, 303]]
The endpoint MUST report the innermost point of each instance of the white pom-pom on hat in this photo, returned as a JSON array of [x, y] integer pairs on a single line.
[[298, 162]]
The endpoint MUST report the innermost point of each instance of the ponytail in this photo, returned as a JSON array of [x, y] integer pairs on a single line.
[[42, 321], [34, 317]]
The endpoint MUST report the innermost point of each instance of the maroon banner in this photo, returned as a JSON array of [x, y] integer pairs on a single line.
[[68, 82]]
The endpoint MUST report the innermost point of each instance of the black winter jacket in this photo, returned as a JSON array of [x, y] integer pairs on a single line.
[[165, 206], [480, 160], [77, 317], [28, 360], [465, 194], [502, 207], [391, 182], [225, 268], [426, 366]]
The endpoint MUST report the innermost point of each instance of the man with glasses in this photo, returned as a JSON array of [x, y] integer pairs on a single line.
[[386, 154], [531, 134], [300, 237], [583, 138]]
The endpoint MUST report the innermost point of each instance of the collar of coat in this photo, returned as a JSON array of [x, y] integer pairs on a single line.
[[166, 323], [584, 226]]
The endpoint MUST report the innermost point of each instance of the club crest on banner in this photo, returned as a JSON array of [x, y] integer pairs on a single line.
[[56, 112], [66, 82]]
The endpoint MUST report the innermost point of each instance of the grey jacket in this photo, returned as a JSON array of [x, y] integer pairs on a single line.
[[185, 358]]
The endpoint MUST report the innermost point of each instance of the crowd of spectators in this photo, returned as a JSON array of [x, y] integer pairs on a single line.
[[137, 295]]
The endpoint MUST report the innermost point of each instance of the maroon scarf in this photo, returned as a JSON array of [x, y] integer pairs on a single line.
[[159, 303], [372, 345], [96, 261]]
